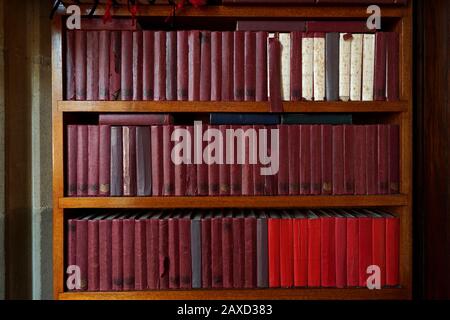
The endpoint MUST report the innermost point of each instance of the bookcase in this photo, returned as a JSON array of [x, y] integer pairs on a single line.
[[399, 19]]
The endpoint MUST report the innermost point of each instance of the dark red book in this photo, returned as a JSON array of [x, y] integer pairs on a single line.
[[286, 252], [140, 255], [352, 251], [93, 160], [82, 161], [138, 65], [300, 234], [247, 167], [126, 78], [216, 252], [250, 66], [116, 158], [338, 161], [276, 104], [205, 66], [283, 173], [274, 232], [191, 170], [294, 159], [316, 160], [82, 259], [70, 65], [206, 253], [337, 26], [261, 66], [202, 166], [216, 66], [71, 243], [392, 251], [115, 64], [349, 160], [117, 254], [305, 159], [394, 159], [314, 245], [182, 65], [128, 254], [238, 252], [383, 159], [174, 252], [135, 119], [227, 65], [296, 66], [213, 168], [250, 252], [360, 163], [157, 160], [105, 253], [171, 66], [143, 162], [152, 252], [148, 63], [239, 66], [379, 245], [93, 256], [271, 180], [341, 251], [159, 91], [327, 159], [194, 65], [179, 169], [72, 146], [372, 159], [328, 251], [103, 64], [92, 65], [224, 169], [365, 248], [164, 261], [235, 171], [393, 63], [80, 65], [129, 161], [380, 67], [258, 177], [227, 251], [184, 226], [168, 165]]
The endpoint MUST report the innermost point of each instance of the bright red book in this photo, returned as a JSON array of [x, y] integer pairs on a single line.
[[168, 165], [238, 253], [383, 159], [294, 159], [216, 253], [314, 250], [341, 251], [227, 65], [103, 65], [247, 167], [338, 160], [206, 253], [352, 251], [117, 254], [392, 251], [296, 66], [274, 228], [328, 251], [250, 252], [216, 66], [180, 172], [171, 66], [164, 261], [380, 67], [227, 252], [159, 93], [393, 63], [239, 66], [82, 161], [258, 178], [71, 242], [92, 65], [70, 65], [205, 66], [300, 234], [261, 66], [191, 170], [283, 173], [105, 254], [148, 63], [394, 159], [365, 249], [138, 65], [305, 159], [250, 66], [327, 159], [182, 65], [372, 159], [360, 164], [213, 170], [82, 259], [316, 160], [174, 254], [349, 160], [115, 64], [93, 161], [184, 226], [80, 65], [140, 255], [235, 172], [152, 252], [157, 160], [194, 65], [126, 78], [72, 146], [379, 245], [202, 167], [128, 254], [93, 256], [286, 253]]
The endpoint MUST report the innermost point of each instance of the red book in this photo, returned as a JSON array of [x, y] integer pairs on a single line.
[[216, 66], [168, 165], [191, 170], [328, 251], [294, 159], [80, 65], [194, 65], [206, 253], [92, 65], [283, 173], [239, 66], [338, 161], [115, 64], [394, 159], [140, 255], [72, 146], [349, 160], [247, 167], [157, 160], [138, 65], [202, 166], [276, 104], [392, 250], [352, 251], [238, 252], [184, 226], [372, 159], [93, 161], [129, 161], [224, 169], [300, 234], [360, 163], [316, 160], [126, 78], [261, 66], [327, 159], [380, 67], [159, 92], [93, 256], [383, 159], [314, 250], [227, 252], [213, 169], [182, 65], [105, 254], [174, 254], [164, 261], [286, 253], [341, 251], [134, 119], [216, 253], [148, 63], [250, 66], [250, 252], [152, 252], [171, 66], [71, 242], [128, 254], [258, 178], [379, 245], [103, 64], [296, 66], [82, 259], [393, 69], [274, 232], [365, 248], [205, 66], [305, 159], [117, 254], [70, 65], [82, 161], [235, 171], [227, 65], [180, 171], [271, 180]]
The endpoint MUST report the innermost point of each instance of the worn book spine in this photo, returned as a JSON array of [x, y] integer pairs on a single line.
[[345, 49], [356, 67], [250, 275], [379, 246], [105, 254], [360, 164], [328, 252], [152, 253], [117, 254], [157, 160], [283, 173], [92, 65], [316, 160], [238, 253], [341, 251], [286, 253], [159, 92], [80, 65], [72, 146], [82, 161], [250, 66], [216, 253], [129, 161], [261, 66], [148, 63], [191, 170], [171, 66], [294, 159], [227, 252], [393, 69], [213, 167], [179, 169], [140, 256], [239, 66], [115, 64], [250, 156], [93, 256], [70, 75], [126, 78], [206, 254], [138, 65], [274, 70], [380, 67], [224, 169], [307, 66], [174, 253], [394, 159], [82, 259], [93, 161], [296, 66], [258, 170], [273, 232], [365, 248], [71, 243], [143, 162], [319, 66], [305, 159], [202, 166], [338, 161], [327, 159], [332, 66], [262, 263], [349, 160], [205, 66], [235, 172], [352, 253], [368, 67], [372, 159], [128, 254], [103, 65], [182, 65], [116, 177], [130, 119], [168, 165], [194, 65], [285, 40], [314, 259], [104, 160], [383, 160], [184, 226], [164, 261], [196, 253], [227, 65]]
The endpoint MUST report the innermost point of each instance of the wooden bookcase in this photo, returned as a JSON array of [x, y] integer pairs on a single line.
[[400, 20]]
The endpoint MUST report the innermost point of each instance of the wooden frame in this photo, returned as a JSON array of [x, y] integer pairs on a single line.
[[396, 112]]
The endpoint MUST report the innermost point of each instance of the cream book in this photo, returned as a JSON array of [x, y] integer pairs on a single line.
[[368, 67], [319, 66], [345, 45], [307, 67], [285, 40], [356, 68]]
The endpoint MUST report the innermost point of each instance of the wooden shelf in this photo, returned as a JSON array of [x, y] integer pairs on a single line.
[[261, 294], [235, 202], [202, 106]]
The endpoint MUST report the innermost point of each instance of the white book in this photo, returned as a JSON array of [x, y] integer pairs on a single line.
[[307, 68], [319, 68], [356, 68], [368, 67], [285, 40], [345, 46]]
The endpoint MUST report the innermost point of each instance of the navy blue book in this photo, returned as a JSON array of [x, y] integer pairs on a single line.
[[244, 119], [304, 118]]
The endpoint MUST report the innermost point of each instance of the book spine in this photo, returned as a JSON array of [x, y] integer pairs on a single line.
[[392, 251], [345, 50], [129, 161], [159, 92], [332, 66], [148, 63], [224, 169], [92, 65], [393, 70], [261, 66], [238, 253], [152, 253], [349, 160], [202, 167], [258, 177], [383, 159], [194, 66], [182, 65], [117, 254], [368, 67], [328, 252], [205, 66], [262, 254], [250, 253], [319, 66], [394, 159], [179, 168], [235, 171], [379, 247], [71, 243], [213, 168], [275, 82], [239, 66], [216, 253], [286, 254], [105, 254], [352, 252], [131, 119], [227, 65], [171, 66], [380, 67], [294, 159], [206, 254], [126, 79], [372, 159], [82, 161], [140, 256], [307, 67], [191, 169], [115, 64], [305, 159], [93, 161], [184, 226], [70, 75], [285, 41], [250, 154], [316, 160], [80, 65], [116, 178], [82, 252], [301, 273], [168, 165], [296, 66], [164, 261], [283, 173], [360, 163], [196, 254], [157, 160], [274, 252], [138, 65], [128, 254], [103, 77], [227, 252], [143, 162], [314, 245], [356, 67], [338, 161], [174, 253], [273, 147], [341, 252], [250, 66], [327, 159], [72, 146], [365, 249], [93, 256], [216, 66]]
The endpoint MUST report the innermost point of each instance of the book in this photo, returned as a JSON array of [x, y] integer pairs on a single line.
[[163, 245], [168, 183], [128, 227], [129, 161], [338, 161], [174, 245], [368, 67], [383, 159], [286, 251], [300, 234], [239, 66], [316, 160], [71, 243], [394, 159], [238, 249], [327, 162], [285, 41], [105, 253], [216, 66], [371, 159], [338, 26], [171, 66], [360, 163], [72, 152], [250, 276], [227, 66], [115, 65], [250, 66], [328, 250], [345, 50], [92, 66], [184, 227], [137, 65], [340, 223], [126, 77], [356, 67], [213, 165], [116, 177], [160, 77], [70, 72], [196, 250], [307, 66], [216, 252], [194, 65], [380, 67], [314, 245], [393, 66], [80, 65], [117, 254], [322, 119], [152, 251], [273, 232], [82, 160], [103, 65], [305, 159], [243, 119], [352, 250], [148, 63], [262, 252], [283, 173], [332, 66], [349, 159], [319, 67], [93, 161], [261, 66], [227, 242], [134, 119], [81, 251], [206, 250], [143, 162], [205, 66], [294, 159], [157, 146], [274, 71], [182, 65], [140, 253], [296, 66]]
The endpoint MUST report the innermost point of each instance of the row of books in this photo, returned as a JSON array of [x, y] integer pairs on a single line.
[[138, 159], [231, 66], [233, 249]]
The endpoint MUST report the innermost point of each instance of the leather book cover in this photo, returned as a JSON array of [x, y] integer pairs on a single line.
[[379, 245], [271, 180], [140, 255], [70, 75], [216, 66], [380, 67], [93, 161], [157, 160], [393, 66], [258, 179], [319, 66], [365, 248], [202, 168], [116, 177], [205, 66], [196, 250], [338, 161], [72, 152], [174, 252], [262, 258], [227, 251], [352, 251], [213, 170], [182, 65], [327, 159], [164, 261], [296, 66], [191, 170], [250, 66], [115, 65], [247, 167], [305, 159], [103, 65], [194, 65], [138, 65], [82, 161], [314, 251], [71, 243], [274, 225], [261, 66], [184, 226], [307, 66], [328, 251], [148, 63], [235, 172], [341, 250], [129, 161], [392, 251], [349, 159], [294, 159], [337, 26], [224, 169], [152, 252], [250, 252], [80, 65], [275, 94], [238, 251], [300, 234], [227, 65], [126, 78], [128, 254], [159, 91], [143, 162], [171, 66], [286, 252], [92, 65], [168, 165], [316, 160], [117, 254], [239, 66], [216, 252], [105, 254], [130, 119], [360, 164], [180, 173], [82, 259], [206, 253]]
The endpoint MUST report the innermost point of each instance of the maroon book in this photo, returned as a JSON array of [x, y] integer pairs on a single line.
[[247, 168], [117, 254], [258, 178], [180, 170], [206, 253], [276, 104], [316, 160], [283, 173], [92, 65], [152, 249], [202, 167], [80, 65], [138, 64], [271, 180], [349, 160], [227, 252], [238, 252], [227, 65], [205, 66], [294, 159], [115, 64], [171, 66], [360, 163], [70, 65], [239, 66], [394, 159], [383, 159], [82, 161], [93, 161], [261, 66], [305, 159], [393, 66], [250, 253], [71, 242], [105, 254], [72, 146], [174, 257], [160, 66], [191, 170], [182, 65], [338, 26], [103, 65], [213, 168], [140, 255], [135, 119], [184, 226], [157, 160], [327, 159], [194, 65], [216, 252], [224, 169], [216, 66], [126, 77], [128, 254], [82, 259], [148, 63], [129, 161], [143, 162], [168, 165], [372, 159], [338, 160], [250, 66], [164, 261], [104, 160], [380, 67], [296, 66], [235, 171]]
